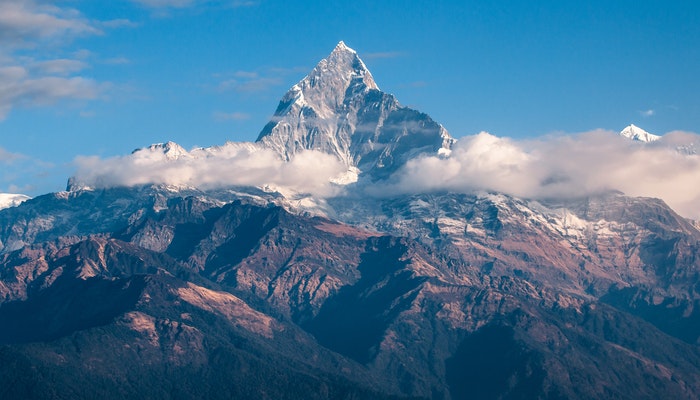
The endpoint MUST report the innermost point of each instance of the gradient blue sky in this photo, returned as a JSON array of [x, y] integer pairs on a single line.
[[86, 77]]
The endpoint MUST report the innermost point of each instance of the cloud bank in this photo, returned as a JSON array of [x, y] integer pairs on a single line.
[[553, 167], [563, 167], [234, 164]]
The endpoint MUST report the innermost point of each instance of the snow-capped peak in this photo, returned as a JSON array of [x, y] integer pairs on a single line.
[[169, 150], [636, 133], [338, 109], [341, 46], [343, 66]]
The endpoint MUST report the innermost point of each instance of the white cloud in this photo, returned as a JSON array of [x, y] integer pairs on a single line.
[[248, 84], [24, 21], [19, 88], [166, 3], [233, 116], [117, 61], [383, 55], [647, 113], [59, 67], [173, 4], [254, 81], [31, 29], [7, 157], [18, 169], [234, 164], [118, 23], [563, 167]]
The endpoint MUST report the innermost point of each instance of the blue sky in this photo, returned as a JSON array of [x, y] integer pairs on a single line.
[[85, 77]]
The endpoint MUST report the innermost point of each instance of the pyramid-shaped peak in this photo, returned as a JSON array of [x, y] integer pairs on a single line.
[[342, 47], [342, 65], [339, 110]]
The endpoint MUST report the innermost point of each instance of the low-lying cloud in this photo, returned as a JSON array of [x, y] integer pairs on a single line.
[[234, 164], [563, 167]]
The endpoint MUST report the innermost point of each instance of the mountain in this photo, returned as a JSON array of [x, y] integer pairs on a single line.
[[338, 109], [175, 291], [636, 133], [11, 199], [455, 290]]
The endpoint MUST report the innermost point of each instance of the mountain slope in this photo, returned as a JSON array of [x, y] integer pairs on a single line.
[[412, 312]]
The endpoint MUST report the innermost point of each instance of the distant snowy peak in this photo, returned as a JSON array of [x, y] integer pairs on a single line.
[[634, 132], [8, 200], [169, 150], [338, 109]]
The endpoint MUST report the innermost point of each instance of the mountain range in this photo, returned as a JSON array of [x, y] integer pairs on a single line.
[[169, 290]]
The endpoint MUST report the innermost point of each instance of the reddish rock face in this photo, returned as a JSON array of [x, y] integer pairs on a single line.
[[402, 301]]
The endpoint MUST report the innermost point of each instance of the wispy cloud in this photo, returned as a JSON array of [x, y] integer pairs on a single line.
[[167, 3], [30, 29], [383, 54], [647, 113], [62, 66], [415, 84], [243, 3], [251, 81], [118, 23], [232, 116], [250, 85], [563, 167], [19, 169], [180, 4], [117, 61], [22, 22], [19, 88], [7, 157]]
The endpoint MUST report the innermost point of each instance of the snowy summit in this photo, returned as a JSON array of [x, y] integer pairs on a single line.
[[338, 109], [636, 133]]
